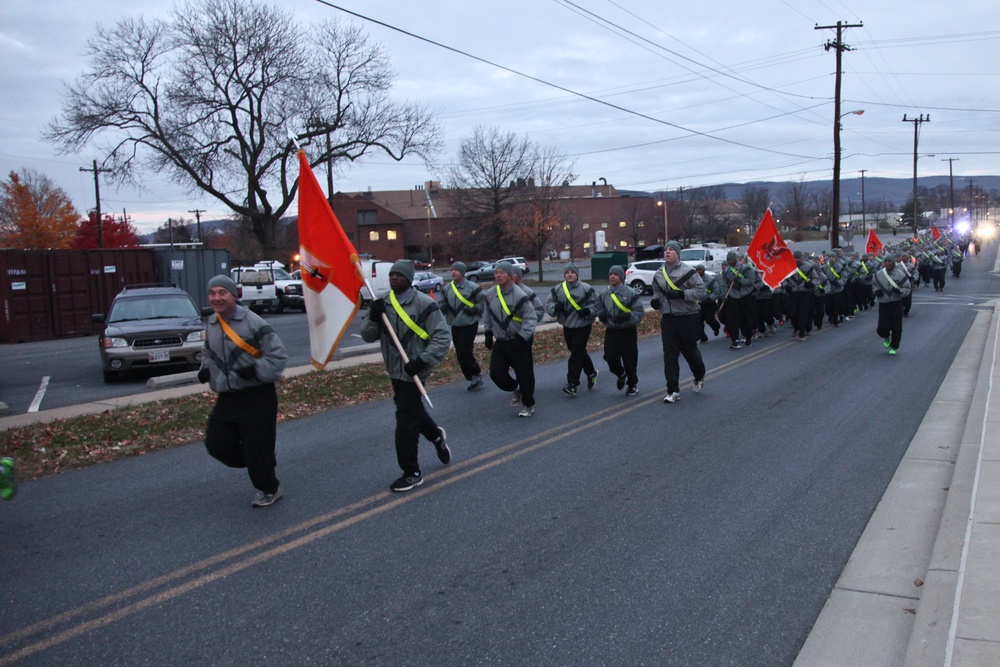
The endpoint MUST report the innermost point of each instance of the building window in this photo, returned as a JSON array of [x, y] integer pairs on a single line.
[[367, 217], [586, 245], [586, 225], [391, 235], [604, 225], [641, 224], [566, 226], [373, 236], [623, 244], [623, 224]]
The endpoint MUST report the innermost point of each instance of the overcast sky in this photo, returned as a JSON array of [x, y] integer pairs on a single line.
[[705, 92]]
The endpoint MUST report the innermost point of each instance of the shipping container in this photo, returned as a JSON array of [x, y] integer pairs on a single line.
[[191, 269]]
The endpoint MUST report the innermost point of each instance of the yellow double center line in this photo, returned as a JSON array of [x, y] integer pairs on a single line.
[[183, 580]]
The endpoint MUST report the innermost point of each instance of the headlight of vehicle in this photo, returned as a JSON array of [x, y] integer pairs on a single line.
[[196, 336], [115, 342]]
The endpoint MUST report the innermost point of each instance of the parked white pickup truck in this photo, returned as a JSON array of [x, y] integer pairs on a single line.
[[712, 257], [256, 287]]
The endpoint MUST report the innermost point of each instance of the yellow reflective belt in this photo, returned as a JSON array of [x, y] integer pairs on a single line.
[[670, 282], [240, 343], [569, 297], [414, 327], [461, 298], [506, 309], [834, 271], [804, 276], [619, 303]]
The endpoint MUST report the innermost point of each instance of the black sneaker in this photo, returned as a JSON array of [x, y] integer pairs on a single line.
[[592, 380], [476, 383], [632, 391], [570, 389], [407, 482], [621, 382], [441, 445], [736, 346]]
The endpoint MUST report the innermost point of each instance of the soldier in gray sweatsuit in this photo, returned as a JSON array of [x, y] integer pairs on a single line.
[[461, 301], [510, 331], [891, 284], [574, 305], [426, 340], [242, 428], [620, 309]]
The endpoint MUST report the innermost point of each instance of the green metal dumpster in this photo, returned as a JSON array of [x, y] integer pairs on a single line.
[[602, 262]]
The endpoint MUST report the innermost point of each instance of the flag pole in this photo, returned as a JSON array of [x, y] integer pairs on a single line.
[[395, 338]]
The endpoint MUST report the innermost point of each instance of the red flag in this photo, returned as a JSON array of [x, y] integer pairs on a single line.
[[935, 232], [874, 246], [331, 271], [769, 252]]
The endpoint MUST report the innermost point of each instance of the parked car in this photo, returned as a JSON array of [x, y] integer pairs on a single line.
[[472, 266], [150, 326], [517, 261], [484, 274], [427, 281], [639, 275], [420, 265], [257, 290]]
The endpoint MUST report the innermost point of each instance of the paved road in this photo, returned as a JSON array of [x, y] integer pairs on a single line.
[[602, 531]]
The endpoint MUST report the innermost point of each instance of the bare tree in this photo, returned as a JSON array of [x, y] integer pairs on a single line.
[[209, 95], [491, 175], [542, 210], [794, 202], [753, 204], [710, 223], [822, 204], [642, 218]]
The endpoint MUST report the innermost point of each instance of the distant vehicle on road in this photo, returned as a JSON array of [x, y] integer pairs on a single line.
[[517, 261], [287, 288], [420, 265], [484, 274], [150, 326], [428, 282]]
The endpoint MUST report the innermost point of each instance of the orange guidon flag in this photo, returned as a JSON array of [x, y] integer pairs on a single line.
[[769, 252], [331, 276], [874, 246]]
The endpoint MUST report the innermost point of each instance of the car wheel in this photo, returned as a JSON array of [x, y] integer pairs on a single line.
[[473, 279], [638, 286]]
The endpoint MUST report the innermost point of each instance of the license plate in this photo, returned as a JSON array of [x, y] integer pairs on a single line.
[[163, 355]]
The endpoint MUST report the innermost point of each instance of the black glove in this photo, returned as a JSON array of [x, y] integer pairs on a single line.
[[654, 303], [586, 314], [675, 294], [558, 309], [203, 375], [376, 308], [489, 340], [602, 318], [413, 367], [879, 292], [247, 373], [896, 290]]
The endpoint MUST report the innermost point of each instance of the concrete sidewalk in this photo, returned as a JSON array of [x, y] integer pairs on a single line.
[[922, 586]]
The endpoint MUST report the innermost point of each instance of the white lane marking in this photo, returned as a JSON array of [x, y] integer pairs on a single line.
[[39, 395]]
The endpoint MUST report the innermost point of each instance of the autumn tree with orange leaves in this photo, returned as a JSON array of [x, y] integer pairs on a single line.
[[35, 213]]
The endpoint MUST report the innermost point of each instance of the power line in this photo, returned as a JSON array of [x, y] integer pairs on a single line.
[[557, 86]]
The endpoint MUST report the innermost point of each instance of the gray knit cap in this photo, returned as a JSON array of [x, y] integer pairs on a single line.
[[518, 271], [226, 283], [618, 271], [570, 266], [675, 245], [403, 267], [732, 257], [459, 266], [506, 267]]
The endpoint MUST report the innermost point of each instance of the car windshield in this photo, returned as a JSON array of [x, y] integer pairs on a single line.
[[152, 308], [281, 274], [692, 254]]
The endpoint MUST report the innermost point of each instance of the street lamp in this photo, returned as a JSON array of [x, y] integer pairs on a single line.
[[666, 235], [835, 223], [430, 244]]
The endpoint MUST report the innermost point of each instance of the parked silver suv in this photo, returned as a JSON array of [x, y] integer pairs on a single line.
[[150, 327]]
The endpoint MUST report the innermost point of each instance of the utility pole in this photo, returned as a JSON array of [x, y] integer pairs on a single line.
[[839, 47], [197, 216], [863, 222], [916, 133], [951, 190], [97, 194], [972, 204]]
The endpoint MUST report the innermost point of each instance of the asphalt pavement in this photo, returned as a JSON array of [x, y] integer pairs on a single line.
[[922, 586]]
